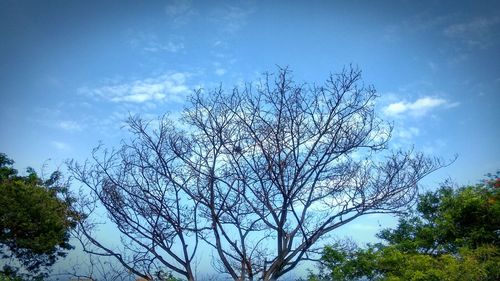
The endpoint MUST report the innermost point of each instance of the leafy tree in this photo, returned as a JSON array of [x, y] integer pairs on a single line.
[[449, 219], [261, 173], [454, 235], [35, 220]]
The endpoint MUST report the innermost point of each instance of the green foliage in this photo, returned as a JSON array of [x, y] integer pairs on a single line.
[[4, 277], [166, 276], [347, 263], [448, 219], [35, 220], [454, 235]]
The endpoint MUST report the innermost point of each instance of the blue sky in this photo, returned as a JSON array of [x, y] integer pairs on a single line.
[[71, 71]]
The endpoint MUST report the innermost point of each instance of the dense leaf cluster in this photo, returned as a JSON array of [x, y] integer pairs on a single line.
[[35, 219], [454, 235]]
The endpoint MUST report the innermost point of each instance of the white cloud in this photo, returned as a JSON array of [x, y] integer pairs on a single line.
[[167, 87], [69, 125], [417, 108]]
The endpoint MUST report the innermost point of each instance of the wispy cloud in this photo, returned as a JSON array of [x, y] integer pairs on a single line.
[[178, 7], [219, 69], [417, 23], [434, 146], [408, 133], [478, 32], [152, 43], [155, 46], [234, 18], [166, 87], [231, 19], [363, 227], [69, 125], [419, 107], [60, 145], [180, 12]]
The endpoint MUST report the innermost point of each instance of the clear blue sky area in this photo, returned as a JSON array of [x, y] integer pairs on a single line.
[[72, 71]]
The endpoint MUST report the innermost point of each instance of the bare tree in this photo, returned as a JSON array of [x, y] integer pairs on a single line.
[[97, 269], [143, 196], [267, 170]]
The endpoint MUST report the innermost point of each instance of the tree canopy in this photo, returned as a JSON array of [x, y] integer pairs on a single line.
[[35, 220], [454, 235]]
